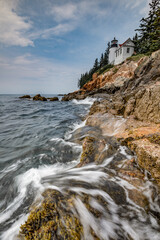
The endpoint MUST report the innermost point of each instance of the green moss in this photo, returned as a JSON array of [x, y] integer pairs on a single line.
[[137, 57], [104, 69], [53, 219], [115, 70], [89, 150]]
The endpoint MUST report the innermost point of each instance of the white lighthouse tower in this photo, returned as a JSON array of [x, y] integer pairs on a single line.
[[113, 48]]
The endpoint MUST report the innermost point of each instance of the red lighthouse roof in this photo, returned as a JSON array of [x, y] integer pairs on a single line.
[[125, 42]]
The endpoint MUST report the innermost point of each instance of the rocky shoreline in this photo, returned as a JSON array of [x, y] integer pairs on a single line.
[[132, 92], [38, 97], [127, 113]]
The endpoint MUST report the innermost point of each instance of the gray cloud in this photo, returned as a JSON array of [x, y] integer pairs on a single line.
[[17, 30], [30, 74], [12, 26], [60, 29], [78, 10]]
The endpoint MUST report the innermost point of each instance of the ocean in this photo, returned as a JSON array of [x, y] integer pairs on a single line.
[[37, 153]]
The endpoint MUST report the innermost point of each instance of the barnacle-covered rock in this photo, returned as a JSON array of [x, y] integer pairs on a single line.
[[53, 219]]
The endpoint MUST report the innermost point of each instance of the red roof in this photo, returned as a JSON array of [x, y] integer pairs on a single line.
[[124, 42]]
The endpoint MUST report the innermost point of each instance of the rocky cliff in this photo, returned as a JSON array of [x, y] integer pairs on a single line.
[[130, 90], [126, 112]]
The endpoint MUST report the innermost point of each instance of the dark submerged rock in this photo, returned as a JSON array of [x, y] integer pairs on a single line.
[[116, 192], [25, 96]]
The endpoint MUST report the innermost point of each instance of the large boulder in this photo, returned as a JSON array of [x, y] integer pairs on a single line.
[[147, 105], [38, 97], [148, 156], [54, 99], [79, 95], [53, 219]]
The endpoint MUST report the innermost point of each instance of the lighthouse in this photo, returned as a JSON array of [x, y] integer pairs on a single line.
[[113, 48], [118, 53]]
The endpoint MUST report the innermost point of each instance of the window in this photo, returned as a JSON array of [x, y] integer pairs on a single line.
[[128, 49], [121, 51]]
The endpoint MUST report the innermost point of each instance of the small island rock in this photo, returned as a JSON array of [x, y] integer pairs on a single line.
[[25, 96], [54, 99], [38, 97]]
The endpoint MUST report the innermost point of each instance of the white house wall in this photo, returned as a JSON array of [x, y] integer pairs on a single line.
[[112, 55], [122, 57]]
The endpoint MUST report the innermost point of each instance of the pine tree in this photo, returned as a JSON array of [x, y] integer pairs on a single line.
[[96, 65], [136, 43], [101, 63], [148, 29], [106, 54], [155, 35]]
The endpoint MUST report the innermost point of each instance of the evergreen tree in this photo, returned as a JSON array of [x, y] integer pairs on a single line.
[[106, 54], [99, 67], [107, 50], [101, 63], [149, 34], [155, 35], [136, 43], [96, 65]]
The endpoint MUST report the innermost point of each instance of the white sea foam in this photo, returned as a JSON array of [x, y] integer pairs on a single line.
[[94, 176], [75, 126], [33, 178], [86, 101], [62, 143], [105, 227], [78, 125], [12, 167], [96, 205], [12, 232]]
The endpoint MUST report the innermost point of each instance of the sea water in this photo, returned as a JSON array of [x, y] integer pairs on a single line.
[[36, 153]]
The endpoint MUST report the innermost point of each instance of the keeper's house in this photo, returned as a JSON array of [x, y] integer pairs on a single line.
[[119, 52]]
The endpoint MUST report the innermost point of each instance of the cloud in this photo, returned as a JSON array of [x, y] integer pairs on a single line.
[[145, 10], [59, 17], [12, 26], [64, 12], [17, 30], [67, 17], [30, 74], [58, 30], [141, 5], [78, 10]]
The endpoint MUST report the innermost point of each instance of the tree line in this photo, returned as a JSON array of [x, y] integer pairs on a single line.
[[101, 64], [147, 41]]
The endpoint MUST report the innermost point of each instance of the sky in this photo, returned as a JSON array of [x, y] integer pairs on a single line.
[[45, 45]]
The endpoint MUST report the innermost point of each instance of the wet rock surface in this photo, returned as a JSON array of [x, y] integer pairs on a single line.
[[53, 219], [148, 156], [84, 205], [119, 143], [38, 97], [53, 99]]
